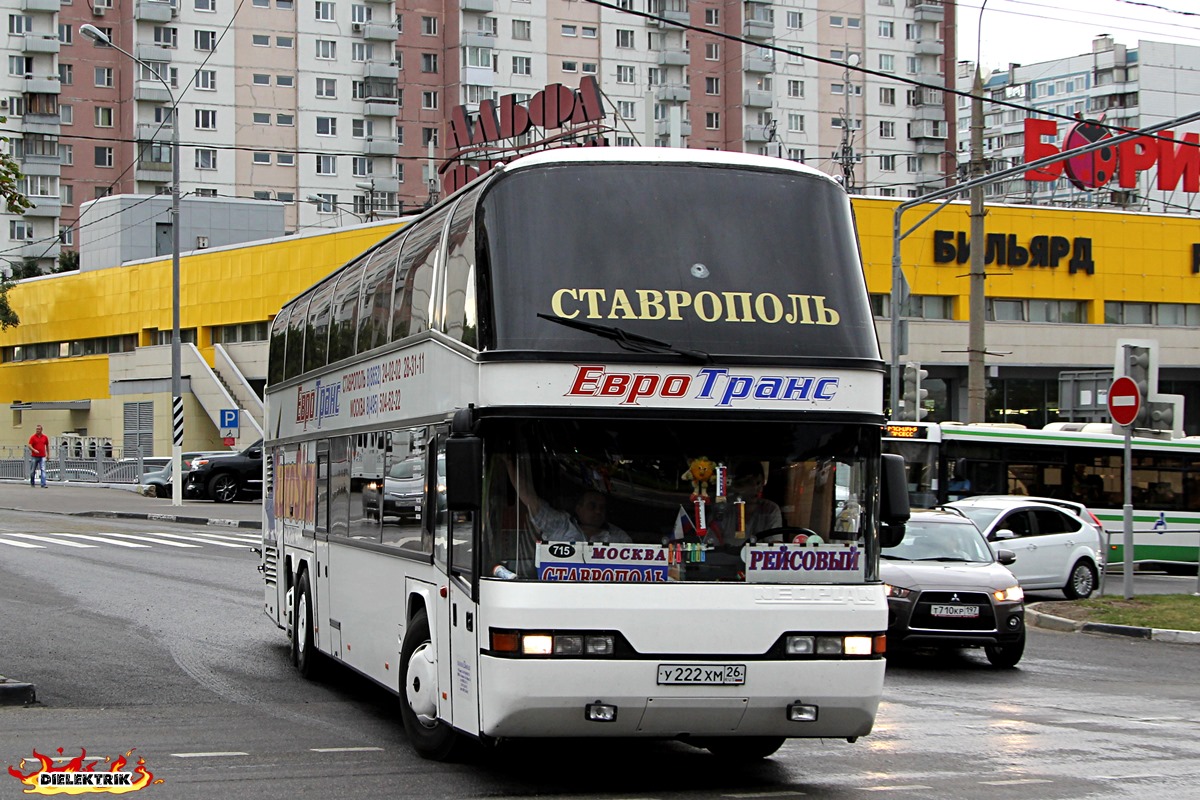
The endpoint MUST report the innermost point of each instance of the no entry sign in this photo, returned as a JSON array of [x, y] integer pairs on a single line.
[[1124, 401]]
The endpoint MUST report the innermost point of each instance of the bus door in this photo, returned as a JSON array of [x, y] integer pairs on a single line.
[[329, 634], [453, 553]]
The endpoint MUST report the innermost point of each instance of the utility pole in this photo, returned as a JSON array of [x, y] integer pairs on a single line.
[[976, 348], [845, 154]]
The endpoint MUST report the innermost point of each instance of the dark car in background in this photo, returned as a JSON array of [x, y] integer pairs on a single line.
[[226, 477], [946, 589], [403, 490]]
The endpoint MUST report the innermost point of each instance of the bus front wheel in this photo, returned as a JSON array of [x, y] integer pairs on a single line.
[[431, 737]]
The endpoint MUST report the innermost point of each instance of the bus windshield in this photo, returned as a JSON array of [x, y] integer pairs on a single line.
[[641, 500]]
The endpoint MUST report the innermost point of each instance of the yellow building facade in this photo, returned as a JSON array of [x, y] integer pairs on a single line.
[[1063, 286]]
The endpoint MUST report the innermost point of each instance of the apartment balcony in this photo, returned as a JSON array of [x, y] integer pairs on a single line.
[[929, 47], [756, 98], [153, 132], [39, 165], [40, 43], [758, 29], [44, 207], [478, 76], [929, 147], [478, 6], [380, 107], [477, 39], [758, 64], [756, 133], [47, 124], [673, 94], [379, 33], [153, 172], [663, 128], [385, 183], [381, 69], [151, 91], [49, 6], [42, 85], [674, 15], [674, 58], [927, 10], [381, 146], [929, 112], [153, 11], [154, 52], [40, 249]]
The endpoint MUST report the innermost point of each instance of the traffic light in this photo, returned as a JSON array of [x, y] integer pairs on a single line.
[[913, 399], [1138, 359], [1160, 414]]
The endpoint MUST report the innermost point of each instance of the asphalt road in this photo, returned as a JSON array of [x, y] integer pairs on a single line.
[[165, 649]]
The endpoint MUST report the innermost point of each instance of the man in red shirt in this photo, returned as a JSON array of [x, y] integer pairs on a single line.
[[39, 448]]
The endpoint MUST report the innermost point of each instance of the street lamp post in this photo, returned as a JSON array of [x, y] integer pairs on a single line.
[[94, 33]]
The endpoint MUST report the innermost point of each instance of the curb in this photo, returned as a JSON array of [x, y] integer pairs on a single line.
[[1045, 621], [16, 693]]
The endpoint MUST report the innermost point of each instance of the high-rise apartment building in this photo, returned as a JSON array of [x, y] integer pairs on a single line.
[[340, 109], [1127, 88]]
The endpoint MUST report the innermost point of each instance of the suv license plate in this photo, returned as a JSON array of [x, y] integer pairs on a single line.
[[701, 674], [955, 611]]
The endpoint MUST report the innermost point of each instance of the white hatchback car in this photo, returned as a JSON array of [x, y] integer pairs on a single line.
[[1055, 548]]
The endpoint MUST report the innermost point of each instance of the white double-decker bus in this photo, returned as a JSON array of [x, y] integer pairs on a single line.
[[592, 448]]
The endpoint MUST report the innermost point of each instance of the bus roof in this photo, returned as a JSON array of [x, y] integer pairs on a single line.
[[659, 155]]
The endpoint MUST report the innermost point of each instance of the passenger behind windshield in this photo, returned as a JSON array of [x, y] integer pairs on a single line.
[[745, 510], [589, 523]]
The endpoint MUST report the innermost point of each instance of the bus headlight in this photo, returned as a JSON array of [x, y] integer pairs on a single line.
[[574, 644]]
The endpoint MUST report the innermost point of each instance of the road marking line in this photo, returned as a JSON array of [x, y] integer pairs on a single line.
[[37, 538], [346, 749], [207, 755], [241, 537], [22, 544], [88, 538], [214, 542], [909, 788], [1015, 782], [152, 539]]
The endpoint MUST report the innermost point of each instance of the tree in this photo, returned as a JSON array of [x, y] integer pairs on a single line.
[[15, 202], [8, 317], [68, 261]]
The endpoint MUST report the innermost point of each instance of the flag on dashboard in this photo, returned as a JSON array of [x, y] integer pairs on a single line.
[[683, 525]]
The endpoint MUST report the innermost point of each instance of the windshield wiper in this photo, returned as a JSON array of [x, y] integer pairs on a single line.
[[946, 558], [630, 341], [894, 558]]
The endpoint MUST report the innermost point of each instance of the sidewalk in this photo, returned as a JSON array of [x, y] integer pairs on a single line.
[[123, 500]]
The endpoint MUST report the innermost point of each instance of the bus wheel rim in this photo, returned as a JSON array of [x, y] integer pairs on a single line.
[[421, 685], [302, 624]]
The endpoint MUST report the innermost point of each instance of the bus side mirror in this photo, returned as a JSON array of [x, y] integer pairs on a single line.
[[464, 473], [893, 499]]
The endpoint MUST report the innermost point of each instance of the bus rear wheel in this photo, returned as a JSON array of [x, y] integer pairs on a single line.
[[304, 649], [431, 737], [744, 748]]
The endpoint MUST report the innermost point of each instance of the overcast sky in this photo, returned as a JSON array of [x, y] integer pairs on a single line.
[[1029, 31]]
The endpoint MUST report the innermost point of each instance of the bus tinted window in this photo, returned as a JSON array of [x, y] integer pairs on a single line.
[[293, 360], [375, 307], [460, 319], [343, 326], [277, 347], [414, 276], [763, 264], [316, 339]]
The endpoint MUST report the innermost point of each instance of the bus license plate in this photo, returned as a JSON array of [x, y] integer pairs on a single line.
[[955, 611], [702, 674]]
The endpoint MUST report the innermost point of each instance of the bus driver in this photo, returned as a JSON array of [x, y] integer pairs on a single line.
[[589, 523]]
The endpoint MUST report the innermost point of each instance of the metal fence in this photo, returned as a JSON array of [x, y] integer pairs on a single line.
[[103, 465]]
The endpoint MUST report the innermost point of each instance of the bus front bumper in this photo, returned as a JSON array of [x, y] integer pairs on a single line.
[[547, 698]]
